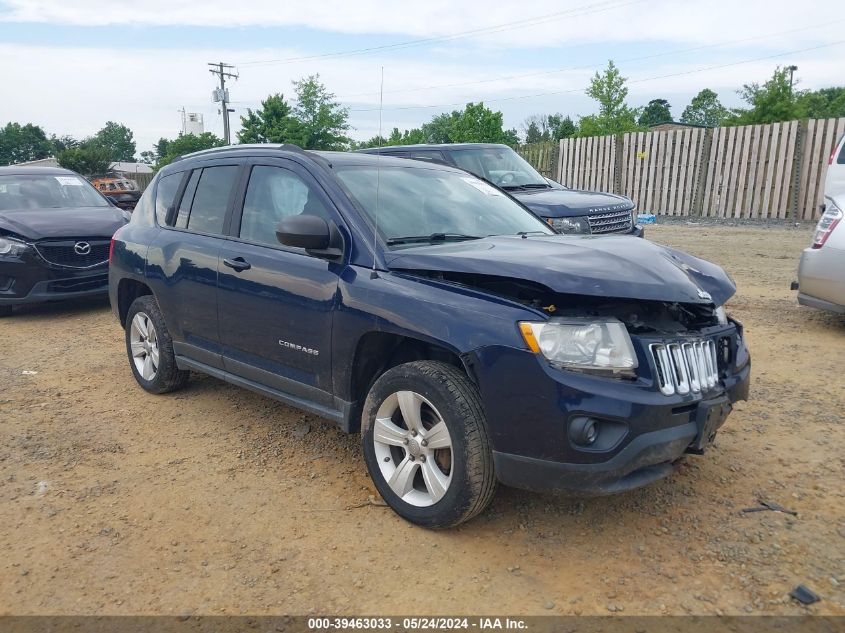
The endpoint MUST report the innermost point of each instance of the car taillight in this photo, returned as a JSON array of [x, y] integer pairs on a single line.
[[832, 155], [832, 216], [111, 249]]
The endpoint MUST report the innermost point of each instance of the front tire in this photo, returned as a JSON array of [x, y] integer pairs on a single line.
[[426, 444], [150, 348]]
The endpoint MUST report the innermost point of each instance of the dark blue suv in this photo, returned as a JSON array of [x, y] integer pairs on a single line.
[[468, 342]]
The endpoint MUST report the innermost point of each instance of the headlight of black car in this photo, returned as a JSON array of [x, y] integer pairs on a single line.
[[10, 247], [570, 225]]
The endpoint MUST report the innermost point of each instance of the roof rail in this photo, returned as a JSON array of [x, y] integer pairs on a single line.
[[282, 146]]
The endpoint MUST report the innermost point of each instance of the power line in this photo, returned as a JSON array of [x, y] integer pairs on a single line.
[[634, 81], [507, 26], [593, 66]]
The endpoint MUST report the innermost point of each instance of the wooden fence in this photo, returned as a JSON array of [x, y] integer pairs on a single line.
[[543, 156], [774, 170]]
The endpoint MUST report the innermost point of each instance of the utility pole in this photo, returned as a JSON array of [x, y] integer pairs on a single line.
[[791, 70], [219, 69]]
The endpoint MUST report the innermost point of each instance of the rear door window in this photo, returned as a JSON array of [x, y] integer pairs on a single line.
[[210, 200]]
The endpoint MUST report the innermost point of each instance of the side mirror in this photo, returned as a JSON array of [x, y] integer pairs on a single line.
[[314, 234]]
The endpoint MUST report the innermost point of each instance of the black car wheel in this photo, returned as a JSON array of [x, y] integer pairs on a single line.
[[426, 444], [150, 348]]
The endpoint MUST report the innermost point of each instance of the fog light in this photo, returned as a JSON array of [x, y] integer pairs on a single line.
[[583, 431]]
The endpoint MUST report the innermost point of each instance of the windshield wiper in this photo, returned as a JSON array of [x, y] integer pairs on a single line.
[[537, 185], [434, 237]]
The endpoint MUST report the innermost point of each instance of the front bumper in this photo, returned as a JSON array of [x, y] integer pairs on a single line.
[[530, 407], [29, 279]]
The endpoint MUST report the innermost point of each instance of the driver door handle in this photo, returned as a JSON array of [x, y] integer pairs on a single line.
[[239, 264]]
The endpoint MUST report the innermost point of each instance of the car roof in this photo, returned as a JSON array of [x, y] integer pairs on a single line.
[[326, 158], [24, 170], [436, 146]]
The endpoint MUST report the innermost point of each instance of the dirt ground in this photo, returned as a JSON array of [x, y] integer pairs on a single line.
[[219, 501]]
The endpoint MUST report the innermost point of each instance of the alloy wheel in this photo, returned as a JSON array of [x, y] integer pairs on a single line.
[[143, 341], [413, 448]]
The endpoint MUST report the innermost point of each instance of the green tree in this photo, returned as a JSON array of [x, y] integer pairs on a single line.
[[705, 109], [614, 116], [61, 143], [561, 127], [89, 159], [21, 143], [533, 133], [324, 121], [440, 128], [477, 124], [657, 111], [540, 128], [822, 104], [168, 150], [273, 123], [776, 100], [117, 139]]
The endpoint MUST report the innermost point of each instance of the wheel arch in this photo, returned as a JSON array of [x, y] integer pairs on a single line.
[[378, 351], [127, 291]]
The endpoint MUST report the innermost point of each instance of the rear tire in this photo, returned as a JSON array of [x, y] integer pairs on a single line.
[[426, 444], [150, 348]]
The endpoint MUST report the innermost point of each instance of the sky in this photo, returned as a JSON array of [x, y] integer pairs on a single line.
[[72, 65]]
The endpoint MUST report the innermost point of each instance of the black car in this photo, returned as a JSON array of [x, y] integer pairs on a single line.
[[414, 303], [567, 210], [55, 231]]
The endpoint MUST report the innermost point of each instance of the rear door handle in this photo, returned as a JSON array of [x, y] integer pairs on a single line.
[[239, 264]]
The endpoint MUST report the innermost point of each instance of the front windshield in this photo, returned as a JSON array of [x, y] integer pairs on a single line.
[[34, 191], [500, 165], [435, 205]]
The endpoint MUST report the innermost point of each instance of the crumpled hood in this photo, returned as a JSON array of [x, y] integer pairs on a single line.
[[559, 203], [609, 266], [38, 224]]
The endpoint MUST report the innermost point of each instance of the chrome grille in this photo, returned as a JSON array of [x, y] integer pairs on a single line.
[[685, 367], [611, 222]]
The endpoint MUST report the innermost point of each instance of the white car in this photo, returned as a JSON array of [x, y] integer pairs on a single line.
[[821, 273], [834, 184]]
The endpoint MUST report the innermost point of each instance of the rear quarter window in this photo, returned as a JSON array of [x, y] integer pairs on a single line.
[[166, 191], [840, 160]]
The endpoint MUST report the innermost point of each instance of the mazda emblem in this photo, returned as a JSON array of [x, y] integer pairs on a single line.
[[82, 248]]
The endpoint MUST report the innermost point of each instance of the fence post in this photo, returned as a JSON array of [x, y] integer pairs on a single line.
[[797, 162], [618, 164], [703, 172]]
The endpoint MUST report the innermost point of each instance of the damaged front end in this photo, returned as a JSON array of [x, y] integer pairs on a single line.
[[617, 380]]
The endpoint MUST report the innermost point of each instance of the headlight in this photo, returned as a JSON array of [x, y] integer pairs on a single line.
[[721, 315], [583, 344], [570, 225], [11, 248], [634, 216], [832, 216]]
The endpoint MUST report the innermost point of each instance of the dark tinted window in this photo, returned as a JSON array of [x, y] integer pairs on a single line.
[[166, 191], [840, 160], [274, 193], [181, 220], [427, 155], [208, 210]]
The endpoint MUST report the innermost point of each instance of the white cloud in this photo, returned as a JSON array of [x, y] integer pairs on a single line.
[[576, 21]]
